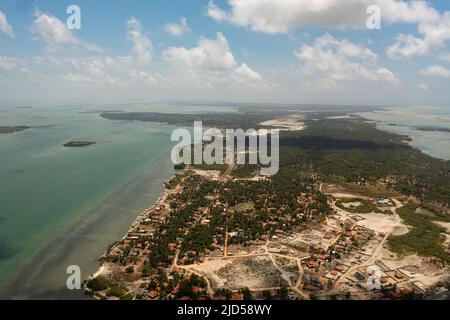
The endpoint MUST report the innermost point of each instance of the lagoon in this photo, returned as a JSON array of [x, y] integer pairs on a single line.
[[408, 121], [63, 206]]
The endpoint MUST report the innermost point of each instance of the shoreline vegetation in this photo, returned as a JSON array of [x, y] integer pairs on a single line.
[[193, 223], [77, 144], [434, 129], [12, 129]]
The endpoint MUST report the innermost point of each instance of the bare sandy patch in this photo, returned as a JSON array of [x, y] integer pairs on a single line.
[[290, 123], [342, 195], [252, 272], [384, 223]]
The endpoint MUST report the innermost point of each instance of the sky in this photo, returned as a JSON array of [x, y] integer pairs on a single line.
[[286, 51]]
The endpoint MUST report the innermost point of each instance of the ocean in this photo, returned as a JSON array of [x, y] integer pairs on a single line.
[[63, 206], [406, 120]]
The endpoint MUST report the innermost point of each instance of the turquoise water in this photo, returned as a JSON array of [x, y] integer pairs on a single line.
[[61, 206], [408, 119], [64, 206]]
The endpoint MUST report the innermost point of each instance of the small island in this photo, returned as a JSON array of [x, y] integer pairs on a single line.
[[74, 144], [11, 129], [434, 129]]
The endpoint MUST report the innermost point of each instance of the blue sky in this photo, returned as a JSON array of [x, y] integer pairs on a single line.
[[240, 50]]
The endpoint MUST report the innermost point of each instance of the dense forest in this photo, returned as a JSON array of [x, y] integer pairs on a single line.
[[358, 151], [350, 148]]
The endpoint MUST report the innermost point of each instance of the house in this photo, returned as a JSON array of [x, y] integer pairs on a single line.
[[328, 235], [384, 202], [360, 276], [339, 268], [238, 296]]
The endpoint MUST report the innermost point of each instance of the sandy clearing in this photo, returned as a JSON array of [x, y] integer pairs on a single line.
[[339, 195], [290, 123], [383, 223]]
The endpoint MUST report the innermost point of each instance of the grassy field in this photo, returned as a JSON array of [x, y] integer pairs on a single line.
[[426, 238], [371, 191], [365, 207], [242, 207]]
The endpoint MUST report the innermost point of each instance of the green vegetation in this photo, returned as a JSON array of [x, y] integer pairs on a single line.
[[372, 191], [11, 129], [426, 238], [351, 149], [211, 167], [180, 166], [434, 129], [365, 206], [98, 284], [245, 171], [176, 180], [358, 152], [347, 152], [242, 207], [243, 119], [247, 295], [116, 291], [76, 144]]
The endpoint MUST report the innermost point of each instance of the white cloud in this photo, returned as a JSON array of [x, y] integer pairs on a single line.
[[7, 63], [211, 61], [84, 71], [56, 34], [5, 27], [437, 71], [142, 45], [274, 16], [209, 55], [331, 61], [243, 73], [177, 29], [91, 71], [445, 57], [434, 35], [423, 86]]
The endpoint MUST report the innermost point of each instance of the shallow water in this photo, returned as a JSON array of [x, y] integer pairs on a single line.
[[406, 120], [63, 206]]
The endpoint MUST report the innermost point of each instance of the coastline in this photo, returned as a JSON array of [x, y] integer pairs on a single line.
[[103, 268], [124, 266], [396, 120], [83, 239]]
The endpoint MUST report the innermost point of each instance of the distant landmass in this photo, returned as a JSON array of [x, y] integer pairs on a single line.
[[11, 129], [74, 144], [434, 129]]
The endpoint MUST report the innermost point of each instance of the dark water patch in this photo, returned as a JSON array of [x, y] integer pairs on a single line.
[[6, 250], [18, 171]]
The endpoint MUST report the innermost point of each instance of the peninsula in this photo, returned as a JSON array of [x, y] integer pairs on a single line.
[[434, 129], [11, 129], [348, 197]]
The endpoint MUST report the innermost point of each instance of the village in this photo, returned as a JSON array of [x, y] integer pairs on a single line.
[[206, 249]]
